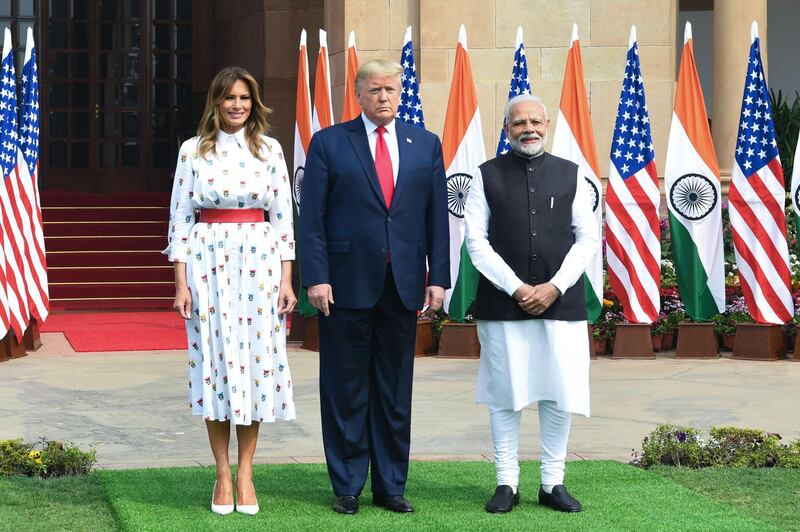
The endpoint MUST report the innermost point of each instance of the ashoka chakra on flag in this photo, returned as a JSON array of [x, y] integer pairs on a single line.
[[595, 198], [298, 183], [796, 197], [457, 191], [693, 196]]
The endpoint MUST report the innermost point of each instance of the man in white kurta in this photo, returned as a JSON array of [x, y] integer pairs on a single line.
[[531, 250]]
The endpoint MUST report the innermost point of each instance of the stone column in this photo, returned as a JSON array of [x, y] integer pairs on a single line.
[[379, 26], [732, 20]]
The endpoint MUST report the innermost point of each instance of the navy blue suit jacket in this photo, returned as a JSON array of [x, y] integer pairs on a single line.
[[346, 230]]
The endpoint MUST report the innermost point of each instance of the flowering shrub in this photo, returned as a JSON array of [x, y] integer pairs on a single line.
[[611, 314], [735, 312], [669, 277], [672, 312], [671, 445], [44, 458], [726, 446]]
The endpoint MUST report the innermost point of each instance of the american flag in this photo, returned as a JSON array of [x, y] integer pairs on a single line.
[[410, 108], [633, 246], [519, 85], [29, 177], [14, 248], [756, 198]]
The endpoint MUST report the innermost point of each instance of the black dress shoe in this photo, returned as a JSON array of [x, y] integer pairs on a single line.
[[395, 503], [559, 500], [345, 504], [503, 500]]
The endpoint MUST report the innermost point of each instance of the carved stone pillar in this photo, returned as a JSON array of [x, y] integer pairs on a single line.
[[732, 20]]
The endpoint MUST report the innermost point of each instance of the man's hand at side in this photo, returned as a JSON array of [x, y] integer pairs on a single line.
[[321, 296], [434, 298]]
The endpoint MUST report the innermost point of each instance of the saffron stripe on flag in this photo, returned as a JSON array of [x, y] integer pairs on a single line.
[[573, 139], [462, 151]]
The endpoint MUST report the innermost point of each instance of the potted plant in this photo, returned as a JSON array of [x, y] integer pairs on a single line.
[[425, 343], [657, 330], [608, 320], [459, 339], [725, 328], [674, 313], [599, 338]]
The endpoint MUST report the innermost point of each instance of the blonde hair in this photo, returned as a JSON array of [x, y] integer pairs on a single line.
[[210, 123], [377, 67]]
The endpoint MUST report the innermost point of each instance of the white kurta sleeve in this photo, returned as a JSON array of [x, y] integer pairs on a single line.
[[181, 213], [483, 256], [280, 210], [584, 226]]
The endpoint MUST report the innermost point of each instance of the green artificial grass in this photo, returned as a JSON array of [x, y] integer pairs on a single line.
[[447, 495], [66, 503], [769, 494]]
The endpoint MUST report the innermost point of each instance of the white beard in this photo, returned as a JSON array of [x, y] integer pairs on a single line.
[[527, 150]]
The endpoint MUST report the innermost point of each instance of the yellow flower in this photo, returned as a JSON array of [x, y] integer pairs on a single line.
[[607, 303]]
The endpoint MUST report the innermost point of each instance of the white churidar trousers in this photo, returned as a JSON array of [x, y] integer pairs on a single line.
[[554, 425]]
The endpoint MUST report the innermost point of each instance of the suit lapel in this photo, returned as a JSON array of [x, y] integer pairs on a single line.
[[358, 138], [404, 149]]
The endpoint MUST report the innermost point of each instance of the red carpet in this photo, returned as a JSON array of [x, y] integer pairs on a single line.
[[119, 331]]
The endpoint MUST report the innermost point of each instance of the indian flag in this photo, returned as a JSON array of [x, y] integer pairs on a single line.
[[350, 107], [323, 105], [573, 139], [692, 187], [463, 152], [796, 185], [302, 138]]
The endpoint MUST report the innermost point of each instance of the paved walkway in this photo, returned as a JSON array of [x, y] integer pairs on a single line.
[[132, 406]]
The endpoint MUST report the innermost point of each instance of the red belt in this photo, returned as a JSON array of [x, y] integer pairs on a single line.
[[231, 216]]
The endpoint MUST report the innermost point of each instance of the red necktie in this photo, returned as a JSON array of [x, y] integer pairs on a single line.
[[383, 165]]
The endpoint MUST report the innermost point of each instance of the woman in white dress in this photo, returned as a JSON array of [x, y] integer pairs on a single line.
[[233, 275]]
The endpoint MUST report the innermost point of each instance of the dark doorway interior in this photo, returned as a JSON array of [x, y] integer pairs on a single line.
[[117, 94]]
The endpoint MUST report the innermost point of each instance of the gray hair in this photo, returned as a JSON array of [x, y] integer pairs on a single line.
[[377, 67], [522, 98]]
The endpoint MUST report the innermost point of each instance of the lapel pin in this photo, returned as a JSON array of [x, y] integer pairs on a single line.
[[408, 140]]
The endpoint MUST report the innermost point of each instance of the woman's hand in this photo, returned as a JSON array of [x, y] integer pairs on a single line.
[[183, 302], [183, 297], [286, 298]]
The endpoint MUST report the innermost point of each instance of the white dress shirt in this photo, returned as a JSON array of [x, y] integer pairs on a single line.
[[390, 136]]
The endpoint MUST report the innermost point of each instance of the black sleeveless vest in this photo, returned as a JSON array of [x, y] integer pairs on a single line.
[[530, 227]]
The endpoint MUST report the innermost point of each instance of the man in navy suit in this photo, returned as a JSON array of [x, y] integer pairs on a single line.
[[373, 212]]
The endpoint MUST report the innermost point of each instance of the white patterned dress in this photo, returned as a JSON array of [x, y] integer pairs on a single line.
[[238, 369]]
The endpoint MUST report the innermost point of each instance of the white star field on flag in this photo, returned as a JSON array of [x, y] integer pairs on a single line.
[[410, 108], [519, 85], [632, 147], [756, 144], [8, 116], [29, 128]]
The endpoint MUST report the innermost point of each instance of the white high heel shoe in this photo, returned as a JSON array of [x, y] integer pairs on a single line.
[[220, 509], [247, 509]]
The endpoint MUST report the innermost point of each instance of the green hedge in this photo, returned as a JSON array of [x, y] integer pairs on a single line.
[[726, 446]]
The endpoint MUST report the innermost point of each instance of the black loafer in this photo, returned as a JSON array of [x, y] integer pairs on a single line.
[[503, 500], [345, 504], [559, 500], [395, 503]]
